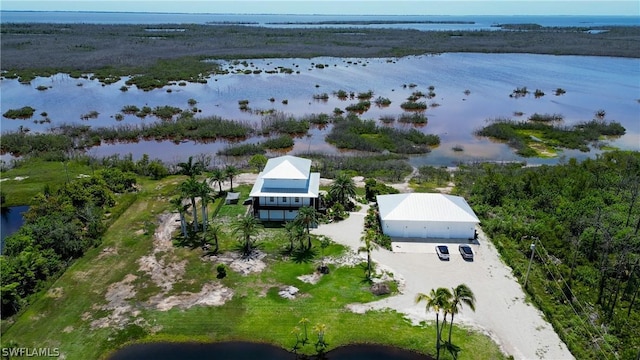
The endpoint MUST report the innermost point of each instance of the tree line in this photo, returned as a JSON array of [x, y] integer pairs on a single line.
[[584, 219], [60, 225]]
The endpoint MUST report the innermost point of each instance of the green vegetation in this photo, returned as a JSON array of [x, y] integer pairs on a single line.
[[353, 133], [25, 112], [584, 219], [77, 312], [546, 118], [59, 227], [242, 150], [382, 101], [388, 167], [413, 118], [281, 123], [360, 107], [414, 105], [523, 136], [280, 142], [429, 178]]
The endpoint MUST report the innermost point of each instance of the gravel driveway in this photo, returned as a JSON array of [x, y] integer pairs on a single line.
[[501, 312]]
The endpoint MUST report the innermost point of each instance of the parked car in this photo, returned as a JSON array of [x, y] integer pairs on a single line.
[[466, 252], [443, 252]]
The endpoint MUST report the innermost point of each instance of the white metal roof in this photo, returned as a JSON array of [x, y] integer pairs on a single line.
[[425, 207], [287, 167], [312, 190]]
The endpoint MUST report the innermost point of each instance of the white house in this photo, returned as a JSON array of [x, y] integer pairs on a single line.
[[285, 185], [420, 215]]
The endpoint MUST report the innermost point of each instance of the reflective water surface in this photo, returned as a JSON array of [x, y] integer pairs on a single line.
[[591, 84]]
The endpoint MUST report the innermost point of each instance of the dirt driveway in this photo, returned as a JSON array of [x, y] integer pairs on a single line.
[[501, 312]]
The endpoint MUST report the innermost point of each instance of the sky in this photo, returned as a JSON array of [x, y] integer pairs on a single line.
[[344, 7]]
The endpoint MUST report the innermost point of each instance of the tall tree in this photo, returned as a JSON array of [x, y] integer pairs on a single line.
[[216, 231], [177, 205], [307, 216], [369, 245], [438, 299], [191, 168], [189, 189], [246, 227], [231, 171], [295, 231], [462, 294], [342, 189], [217, 177], [204, 192]]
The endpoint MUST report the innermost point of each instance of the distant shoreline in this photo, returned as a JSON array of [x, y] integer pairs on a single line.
[[88, 47]]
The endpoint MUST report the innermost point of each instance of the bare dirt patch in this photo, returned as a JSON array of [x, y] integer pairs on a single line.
[[239, 264], [212, 294]]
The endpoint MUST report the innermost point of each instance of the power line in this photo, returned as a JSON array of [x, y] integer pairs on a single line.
[[546, 263]]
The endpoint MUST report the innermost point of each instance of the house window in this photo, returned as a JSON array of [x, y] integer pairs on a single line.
[[284, 199], [271, 199], [297, 199]]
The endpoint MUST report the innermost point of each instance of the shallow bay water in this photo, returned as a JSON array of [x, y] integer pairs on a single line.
[[591, 84]]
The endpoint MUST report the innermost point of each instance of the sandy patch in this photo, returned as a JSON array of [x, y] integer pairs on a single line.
[[17, 178], [55, 293], [237, 263], [67, 329], [311, 278], [212, 294], [117, 296]]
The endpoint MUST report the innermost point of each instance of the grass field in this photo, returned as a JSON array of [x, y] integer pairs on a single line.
[[34, 174], [105, 299]]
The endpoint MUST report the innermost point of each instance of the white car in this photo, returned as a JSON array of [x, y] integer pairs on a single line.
[[443, 252]]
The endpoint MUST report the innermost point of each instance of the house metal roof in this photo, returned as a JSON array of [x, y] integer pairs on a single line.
[[312, 190], [425, 207], [287, 167]]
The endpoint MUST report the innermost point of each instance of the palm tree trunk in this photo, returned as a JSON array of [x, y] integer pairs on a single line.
[[437, 336], [450, 327], [195, 214], [183, 224], [204, 215]]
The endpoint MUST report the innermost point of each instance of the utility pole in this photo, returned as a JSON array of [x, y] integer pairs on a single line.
[[533, 251]]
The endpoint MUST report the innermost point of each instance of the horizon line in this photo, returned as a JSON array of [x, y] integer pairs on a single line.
[[299, 14]]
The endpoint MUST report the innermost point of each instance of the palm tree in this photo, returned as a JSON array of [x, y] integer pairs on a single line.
[[190, 168], [306, 217], [247, 227], [369, 246], [230, 171], [295, 231], [342, 189], [189, 189], [204, 192], [436, 300], [462, 294], [176, 205], [216, 232], [217, 177]]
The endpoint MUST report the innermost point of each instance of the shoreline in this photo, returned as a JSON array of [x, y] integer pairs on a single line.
[[46, 47]]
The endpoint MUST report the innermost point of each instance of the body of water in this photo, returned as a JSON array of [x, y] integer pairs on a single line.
[[251, 351], [10, 221], [418, 22], [591, 84]]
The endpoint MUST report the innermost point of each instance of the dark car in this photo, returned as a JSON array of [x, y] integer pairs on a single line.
[[443, 252], [466, 252]]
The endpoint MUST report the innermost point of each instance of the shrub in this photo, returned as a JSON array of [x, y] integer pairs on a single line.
[[242, 150], [23, 113], [382, 101], [222, 271], [281, 142], [412, 105], [414, 118], [360, 107], [323, 97], [546, 117]]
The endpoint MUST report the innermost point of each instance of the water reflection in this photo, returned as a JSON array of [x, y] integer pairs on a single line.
[[489, 78], [250, 351]]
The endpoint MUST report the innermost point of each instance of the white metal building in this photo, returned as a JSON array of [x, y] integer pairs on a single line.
[[420, 215], [285, 185]]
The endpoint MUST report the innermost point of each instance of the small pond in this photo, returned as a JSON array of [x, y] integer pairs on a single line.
[[11, 221], [246, 350]]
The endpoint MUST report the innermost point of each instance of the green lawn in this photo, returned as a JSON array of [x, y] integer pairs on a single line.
[[63, 316], [36, 174]]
